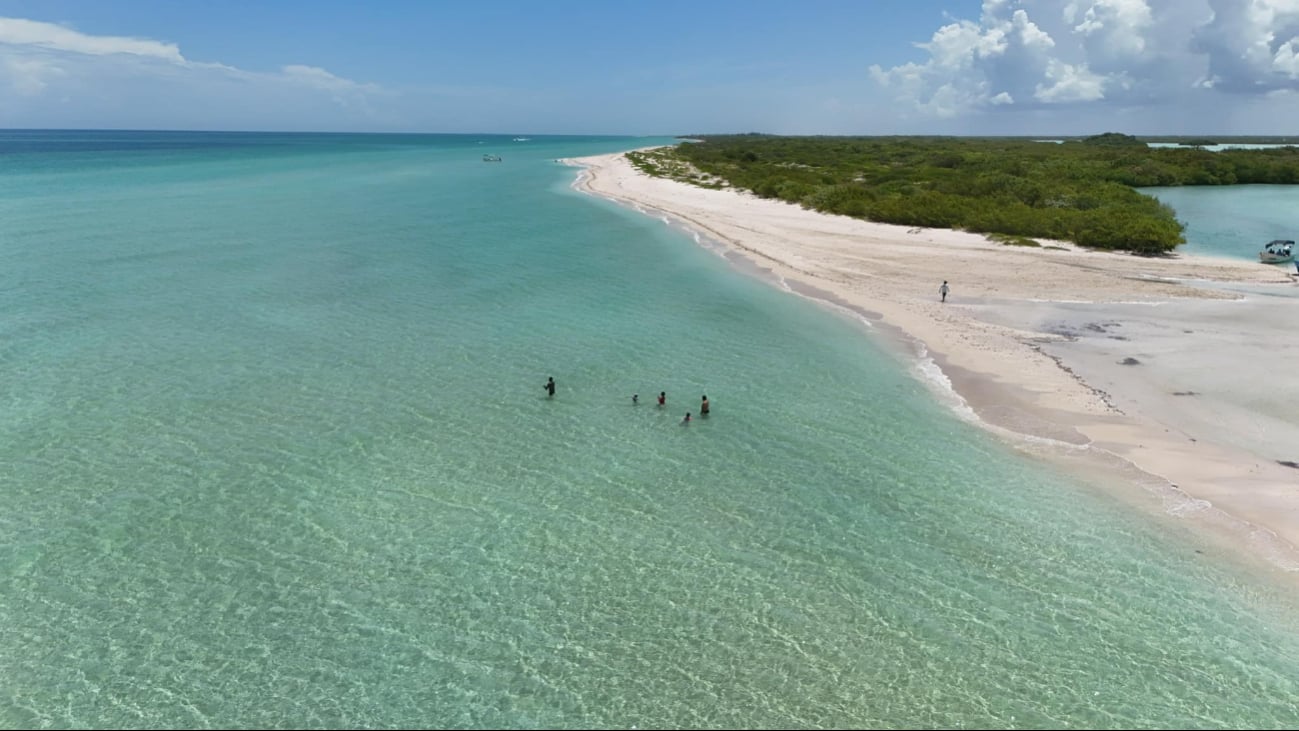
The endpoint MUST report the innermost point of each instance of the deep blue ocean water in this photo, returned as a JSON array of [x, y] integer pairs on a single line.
[[276, 453]]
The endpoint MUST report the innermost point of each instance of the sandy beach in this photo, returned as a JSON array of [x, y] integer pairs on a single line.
[[1164, 380]]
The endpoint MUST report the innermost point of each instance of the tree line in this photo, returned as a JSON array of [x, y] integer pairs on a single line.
[[1082, 191]]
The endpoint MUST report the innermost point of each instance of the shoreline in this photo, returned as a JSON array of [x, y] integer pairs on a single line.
[[1161, 381]]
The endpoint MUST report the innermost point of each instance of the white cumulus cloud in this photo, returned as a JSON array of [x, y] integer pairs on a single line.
[[1113, 31], [1250, 45], [1068, 83], [1004, 57], [1107, 58]]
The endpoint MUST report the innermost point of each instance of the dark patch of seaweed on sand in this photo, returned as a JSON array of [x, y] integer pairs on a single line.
[[1102, 395]]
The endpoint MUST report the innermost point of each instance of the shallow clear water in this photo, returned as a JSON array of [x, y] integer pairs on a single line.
[[277, 454], [1233, 220]]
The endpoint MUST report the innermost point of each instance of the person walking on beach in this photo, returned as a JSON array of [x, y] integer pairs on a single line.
[[663, 398], [550, 387], [943, 290], [703, 407]]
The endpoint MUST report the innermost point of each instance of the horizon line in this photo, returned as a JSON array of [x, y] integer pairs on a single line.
[[1045, 136]]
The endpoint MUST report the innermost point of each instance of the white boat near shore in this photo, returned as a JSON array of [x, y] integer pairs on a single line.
[[1278, 251]]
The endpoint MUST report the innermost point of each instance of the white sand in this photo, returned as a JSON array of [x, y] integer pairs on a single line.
[[1033, 340]]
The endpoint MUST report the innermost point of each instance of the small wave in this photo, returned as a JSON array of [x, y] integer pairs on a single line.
[[929, 373], [1181, 504]]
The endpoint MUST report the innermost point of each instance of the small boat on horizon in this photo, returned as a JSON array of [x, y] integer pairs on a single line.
[[1278, 251], [491, 158]]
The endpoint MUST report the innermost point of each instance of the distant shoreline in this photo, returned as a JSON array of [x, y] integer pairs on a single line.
[[1032, 341]]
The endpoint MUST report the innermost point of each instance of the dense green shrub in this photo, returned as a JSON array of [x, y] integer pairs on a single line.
[[1081, 191]]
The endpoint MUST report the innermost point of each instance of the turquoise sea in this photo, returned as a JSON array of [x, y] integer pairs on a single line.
[[276, 453]]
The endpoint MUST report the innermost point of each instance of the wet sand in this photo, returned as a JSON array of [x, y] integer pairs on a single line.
[[1164, 379]]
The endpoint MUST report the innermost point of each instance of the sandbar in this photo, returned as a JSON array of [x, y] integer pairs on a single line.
[[1173, 372]]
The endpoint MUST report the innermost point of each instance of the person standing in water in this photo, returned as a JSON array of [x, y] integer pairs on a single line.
[[550, 387], [686, 420], [703, 407], [663, 398], [635, 398]]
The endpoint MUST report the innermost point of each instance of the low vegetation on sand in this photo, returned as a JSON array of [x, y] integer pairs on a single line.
[[1084, 190]]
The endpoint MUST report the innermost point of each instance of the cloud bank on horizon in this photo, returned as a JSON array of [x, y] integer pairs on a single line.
[[1020, 67], [93, 81], [1109, 56]]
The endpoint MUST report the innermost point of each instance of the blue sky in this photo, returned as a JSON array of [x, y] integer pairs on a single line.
[[585, 67]]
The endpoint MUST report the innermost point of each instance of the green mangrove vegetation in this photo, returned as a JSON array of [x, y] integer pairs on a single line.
[[1082, 190]]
